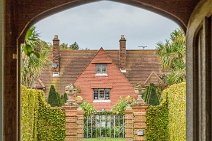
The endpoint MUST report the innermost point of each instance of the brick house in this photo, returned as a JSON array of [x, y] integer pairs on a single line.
[[103, 76]]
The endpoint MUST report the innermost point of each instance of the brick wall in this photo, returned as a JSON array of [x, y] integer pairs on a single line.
[[135, 122], [74, 123], [116, 81]]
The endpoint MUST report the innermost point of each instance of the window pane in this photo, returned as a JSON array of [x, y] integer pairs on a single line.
[[107, 93], [104, 68], [101, 94], [101, 68], [98, 68], [96, 94]]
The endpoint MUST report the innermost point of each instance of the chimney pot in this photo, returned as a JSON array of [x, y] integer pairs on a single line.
[[55, 37], [122, 37]]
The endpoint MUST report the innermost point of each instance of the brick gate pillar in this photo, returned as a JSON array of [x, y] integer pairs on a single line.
[[73, 123], [80, 124], [129, 123], [139, 112]]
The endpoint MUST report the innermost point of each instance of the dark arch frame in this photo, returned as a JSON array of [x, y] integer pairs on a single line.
[[20, 14], [71, 4]]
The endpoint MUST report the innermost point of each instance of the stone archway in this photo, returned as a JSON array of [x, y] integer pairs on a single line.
[[20, 14], [37, 10]]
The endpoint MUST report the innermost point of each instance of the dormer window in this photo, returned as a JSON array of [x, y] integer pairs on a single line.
[[101, 69]]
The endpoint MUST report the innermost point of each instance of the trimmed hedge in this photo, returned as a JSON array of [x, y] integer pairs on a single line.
[[167, 121], [176, 95], [29, 114], [157, 122], [40, 122]]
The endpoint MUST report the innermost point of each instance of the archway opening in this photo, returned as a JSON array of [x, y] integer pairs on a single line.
[[126, 70]]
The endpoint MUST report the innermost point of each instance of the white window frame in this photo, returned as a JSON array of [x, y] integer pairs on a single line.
[[104, 98], [101, 72]]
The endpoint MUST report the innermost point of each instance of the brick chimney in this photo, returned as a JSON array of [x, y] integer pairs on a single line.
[[56, 57], [122, 54]]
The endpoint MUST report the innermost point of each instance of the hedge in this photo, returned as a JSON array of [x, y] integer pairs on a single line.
[[167, 121], [40, 122], [29, 114], [157, 122], [176, 95]]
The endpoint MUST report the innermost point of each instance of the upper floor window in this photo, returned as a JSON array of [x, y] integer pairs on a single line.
[[101, 69], [101, 94]]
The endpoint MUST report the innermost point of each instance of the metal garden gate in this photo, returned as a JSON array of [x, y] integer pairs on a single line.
[[104, 125]]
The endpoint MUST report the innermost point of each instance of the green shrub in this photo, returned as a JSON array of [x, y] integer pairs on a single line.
[[40, 122], [87, 108], [167, 121], [51, 122], [152, 94], [120, 106], [29, 114], [176, 95], [54, 97], [157, 122], [65, 97]]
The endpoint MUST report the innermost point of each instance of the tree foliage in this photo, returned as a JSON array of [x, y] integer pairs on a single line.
[[120, 106], [73, 46], [54, 97], [152, 95], [34, 57], [173, 57], [87, 108]]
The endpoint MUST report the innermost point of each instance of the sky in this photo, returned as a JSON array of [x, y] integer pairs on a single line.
[[101, 24]]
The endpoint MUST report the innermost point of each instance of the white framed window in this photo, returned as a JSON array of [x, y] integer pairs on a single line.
[[101, 69], [101, 94]]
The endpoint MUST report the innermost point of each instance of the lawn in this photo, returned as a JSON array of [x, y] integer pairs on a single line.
[[104, 139]]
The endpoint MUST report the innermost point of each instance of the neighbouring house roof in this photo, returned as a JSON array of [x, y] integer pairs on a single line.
[[153, 78], [139, 65]]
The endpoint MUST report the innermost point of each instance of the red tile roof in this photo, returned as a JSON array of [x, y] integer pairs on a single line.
[[140, 64], [101, 57]]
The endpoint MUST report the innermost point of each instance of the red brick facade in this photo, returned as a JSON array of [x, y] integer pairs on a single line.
[[117, 83]]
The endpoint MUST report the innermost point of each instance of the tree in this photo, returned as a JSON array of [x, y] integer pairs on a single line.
[[74, 46], [34, 57], [65, 97], [64, 46], [173, 57], [152, 95], [54, 97], [62, 100]]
